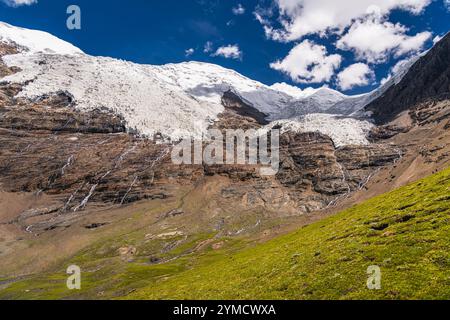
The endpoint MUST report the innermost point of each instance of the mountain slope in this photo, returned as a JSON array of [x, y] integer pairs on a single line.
[[147, 106], [429, 77], [406, 233]]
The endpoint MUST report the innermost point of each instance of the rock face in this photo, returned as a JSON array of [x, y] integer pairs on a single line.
[[427, 80], [314, 170], [5, 50], [233, 102], [86, 160], [54, 113]]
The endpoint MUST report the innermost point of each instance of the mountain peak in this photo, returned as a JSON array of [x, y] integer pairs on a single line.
[[34, 41], [328, 90]]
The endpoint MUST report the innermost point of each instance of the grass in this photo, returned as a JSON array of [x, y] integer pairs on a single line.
[[406, 233]]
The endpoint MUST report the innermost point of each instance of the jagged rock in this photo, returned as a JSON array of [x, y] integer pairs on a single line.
[[55, 115], [38, 212], [232, 101], [309, 164], [431, 111], [386, 132], [6, 49], [447, 126]]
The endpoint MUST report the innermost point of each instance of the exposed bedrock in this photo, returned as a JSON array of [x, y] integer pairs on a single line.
[[87, 159]]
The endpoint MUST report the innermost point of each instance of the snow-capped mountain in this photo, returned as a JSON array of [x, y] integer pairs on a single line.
[[207, 82], [34, 41], [321, 101], [174, 100]]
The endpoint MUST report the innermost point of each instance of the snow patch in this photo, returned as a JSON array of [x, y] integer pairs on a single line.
[[343, 131]]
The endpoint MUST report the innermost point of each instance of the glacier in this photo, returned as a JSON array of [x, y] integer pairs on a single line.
[[176, 101]]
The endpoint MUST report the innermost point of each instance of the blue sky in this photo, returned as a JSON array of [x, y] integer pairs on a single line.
[[350, 47]]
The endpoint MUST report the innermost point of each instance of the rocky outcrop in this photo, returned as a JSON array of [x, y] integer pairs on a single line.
[[313, 169], [232, 101], [431, 111], [54, 113], [386, 132], [6, 49]]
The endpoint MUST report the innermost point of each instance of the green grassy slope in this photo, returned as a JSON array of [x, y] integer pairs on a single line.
[[405, 232]]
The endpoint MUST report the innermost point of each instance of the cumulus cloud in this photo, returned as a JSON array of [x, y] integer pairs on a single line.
[[361, 26], [304, 17], [358, 74], [447, 4], [229, 52], [238, 10], [308, 62], [263, 16], [189, 52], [374, 39], [18, 3]]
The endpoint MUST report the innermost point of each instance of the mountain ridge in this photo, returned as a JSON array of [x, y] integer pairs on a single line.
[[427, 77], [195, 86]]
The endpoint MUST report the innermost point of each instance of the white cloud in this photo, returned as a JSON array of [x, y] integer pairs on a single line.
[[361, 26], [208, 47], [447, 4], [358, 74], [229, 52], [374, 39], [308, 62], [189, 52], [239, 10], [18, 3], [303, 17], [263, 16]]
